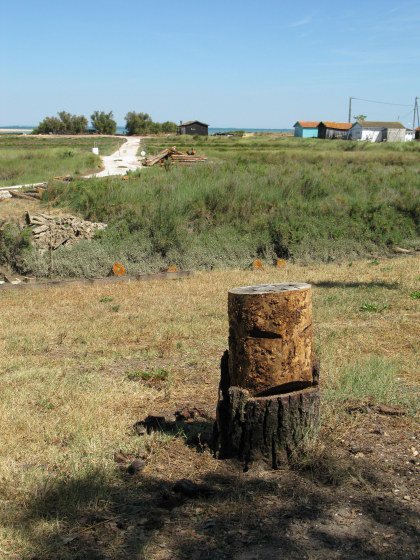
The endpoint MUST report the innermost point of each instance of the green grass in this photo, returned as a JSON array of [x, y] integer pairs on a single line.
[[373, 307], [259, 197], [29, 159], [374, 379]]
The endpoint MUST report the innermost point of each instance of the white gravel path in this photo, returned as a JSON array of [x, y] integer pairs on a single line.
[[123, 160]]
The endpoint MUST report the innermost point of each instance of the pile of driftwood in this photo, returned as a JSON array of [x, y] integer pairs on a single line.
[[172, 155], [30, 192], [51, 232]]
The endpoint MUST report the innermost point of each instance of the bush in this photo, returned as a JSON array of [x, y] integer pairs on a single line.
[[103, 123], [13, 245], [142, 123], [65, 123]]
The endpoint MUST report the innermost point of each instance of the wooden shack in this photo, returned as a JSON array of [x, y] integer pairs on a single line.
[[330, 130], [417, 133], [379, 131], [193, 128], [306, 129]]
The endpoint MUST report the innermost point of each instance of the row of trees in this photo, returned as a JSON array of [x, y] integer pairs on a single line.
[[102, 123]]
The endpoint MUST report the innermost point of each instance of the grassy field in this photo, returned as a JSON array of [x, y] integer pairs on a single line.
[[81, 364], [258, 197], [32, 159]]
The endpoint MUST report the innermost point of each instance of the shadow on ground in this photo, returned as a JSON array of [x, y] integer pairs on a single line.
[[224, 514], [373, 284]]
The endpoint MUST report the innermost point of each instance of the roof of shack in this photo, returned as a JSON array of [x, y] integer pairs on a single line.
[[186, 123], [380, 124], [336, 125], [307, 124]]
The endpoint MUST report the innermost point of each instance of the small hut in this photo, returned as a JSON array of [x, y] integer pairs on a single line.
[[329, 129], [378, 131], [193, 128], [306, 129]]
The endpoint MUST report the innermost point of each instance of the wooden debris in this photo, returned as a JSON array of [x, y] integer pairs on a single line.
[[281, 263], [257, 264], [400, 250], [67, 178], [172, 268], [35, 192], [118, 269], [174, 156], [51, 232], [17, 194]]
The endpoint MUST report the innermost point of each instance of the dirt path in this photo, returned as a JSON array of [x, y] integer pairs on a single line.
[[123, 160]]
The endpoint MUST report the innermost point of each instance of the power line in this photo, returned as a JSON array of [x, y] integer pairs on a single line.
[[381, 102], [406, 114]]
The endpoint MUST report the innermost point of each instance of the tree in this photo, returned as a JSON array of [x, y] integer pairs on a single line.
[[65, 123], [142, 123], [137, 123], [360, 117], [103, 123], [168, 126]]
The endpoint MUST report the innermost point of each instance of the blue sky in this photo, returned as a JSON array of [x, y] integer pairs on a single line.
[[238, 63]]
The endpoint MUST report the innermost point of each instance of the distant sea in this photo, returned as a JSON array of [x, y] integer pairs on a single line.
[[269, 130], [121, 129]]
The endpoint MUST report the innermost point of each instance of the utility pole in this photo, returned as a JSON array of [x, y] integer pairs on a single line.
[[350, 99], [415, 112]]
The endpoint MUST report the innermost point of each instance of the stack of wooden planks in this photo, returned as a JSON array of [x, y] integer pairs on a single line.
[[50, 232], [172, 155]]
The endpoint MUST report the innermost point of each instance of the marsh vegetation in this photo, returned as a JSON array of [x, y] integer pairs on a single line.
[[28, 159], [258, 197]]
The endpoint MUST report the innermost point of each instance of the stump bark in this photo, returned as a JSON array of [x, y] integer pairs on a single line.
[[269, 396]]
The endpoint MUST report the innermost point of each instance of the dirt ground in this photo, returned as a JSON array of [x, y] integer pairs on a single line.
[[358, 501], [79, 480]]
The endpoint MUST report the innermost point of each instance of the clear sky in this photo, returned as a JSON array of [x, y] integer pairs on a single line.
[[239, 63]]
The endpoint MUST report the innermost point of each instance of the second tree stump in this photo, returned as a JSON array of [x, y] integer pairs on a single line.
[[269, 396]]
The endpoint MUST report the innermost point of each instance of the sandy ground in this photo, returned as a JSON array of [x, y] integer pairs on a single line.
[[123, 160]]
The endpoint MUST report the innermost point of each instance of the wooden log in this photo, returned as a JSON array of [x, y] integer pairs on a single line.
[[17, 194], [270, 336], [269, 395]]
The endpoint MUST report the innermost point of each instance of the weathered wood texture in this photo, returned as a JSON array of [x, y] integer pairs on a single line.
[[269, 395], [270, 336], [264, 429]]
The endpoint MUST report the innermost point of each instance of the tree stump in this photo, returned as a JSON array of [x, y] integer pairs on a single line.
[[269, 395]]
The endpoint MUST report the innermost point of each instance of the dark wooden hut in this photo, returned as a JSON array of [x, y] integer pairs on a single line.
[[193, 128], [329, 129], [417, 133]]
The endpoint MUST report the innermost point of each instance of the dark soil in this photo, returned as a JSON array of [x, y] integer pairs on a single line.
[[351, 498]]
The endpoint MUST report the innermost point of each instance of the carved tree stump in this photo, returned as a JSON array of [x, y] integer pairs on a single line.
[[269, 396]]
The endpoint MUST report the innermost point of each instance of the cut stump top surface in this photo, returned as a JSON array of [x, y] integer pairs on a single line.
[[270, 288]]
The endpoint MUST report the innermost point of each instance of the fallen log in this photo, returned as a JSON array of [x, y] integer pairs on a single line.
[[17, 194]]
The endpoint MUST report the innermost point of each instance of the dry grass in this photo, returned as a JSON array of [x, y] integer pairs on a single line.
[[68, 401], [13, 209]]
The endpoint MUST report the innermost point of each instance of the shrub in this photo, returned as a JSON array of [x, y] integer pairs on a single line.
[[13, 244], [103, 123], [65, 123], [142, 123]]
